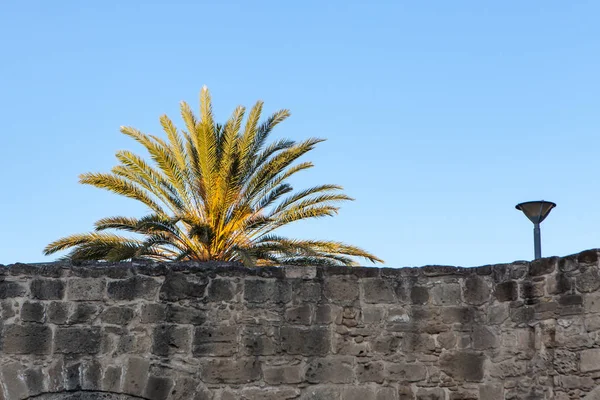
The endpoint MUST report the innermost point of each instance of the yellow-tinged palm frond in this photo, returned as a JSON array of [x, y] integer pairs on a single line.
[[215, 192]]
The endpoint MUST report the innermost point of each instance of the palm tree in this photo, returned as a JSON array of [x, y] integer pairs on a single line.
[[215, 192]]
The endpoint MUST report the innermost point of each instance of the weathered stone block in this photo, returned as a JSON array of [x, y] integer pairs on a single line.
[[32, 312], [590, 360], [256, 393], [483, 338], [9, 289], [283, 374], [406, 372], [330, 370], [16, 388], [431, 394], [158, 388], [185, 315], [313, 341], [262, 291], [83, 313], [179, 286], [136, 376], [341, 289], [378, 291], [542, 266], [26, 339], [136, 287], [476, 290], [76, 340], [230, 371], [327, 313], [47, 289], [215, 341], [299, 315], [589, 280], [170, 339], [371, 372], [221, 290], [58, 312], [491, 392], [111, 381], [117, 315], [507, 291], [530, 289], [359, 393], [153, 313], [260, 340], [90, 289], [446, 293], [321, 393], [419, 295], [463, 366]]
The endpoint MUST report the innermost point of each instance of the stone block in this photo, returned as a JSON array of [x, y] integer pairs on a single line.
[[136, 376], [260, 340], [47, 289], [542, 266], [185, 315], [58, 312], [483, 338], [321, 393], [476, 290], [153, 313], [285, 374], [446, 293], [359, 393], [371, 372], [330, 370], [300, 315], [34, 378], [491, 392], [221, 290], [26, 339], [266, 393], [341, 289], [588, 280], [32, 312], [89, 289], [326, 313], [83, 313], [215, 341], [378, 291], [179, 286], [263, 291], [507, 291], [463, 366], [431, 394], [532, 289], [406, 372], [9, 289], [136, 287], [158, 388], [589, 360], [170, 339], [78, 340], [15, 387], [419, 295], [117, 315], [111, 381], [92, 375], [238, 371], [313, 341]]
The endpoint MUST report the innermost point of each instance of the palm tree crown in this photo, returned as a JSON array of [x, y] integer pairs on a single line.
[[214, 192]]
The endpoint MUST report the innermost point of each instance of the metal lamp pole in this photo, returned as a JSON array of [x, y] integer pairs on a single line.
[[536, 211]]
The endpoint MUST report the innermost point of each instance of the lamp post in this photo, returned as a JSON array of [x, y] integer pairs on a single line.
[[536, 211]]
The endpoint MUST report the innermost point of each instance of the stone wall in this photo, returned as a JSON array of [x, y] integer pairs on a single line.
[[222, 332]]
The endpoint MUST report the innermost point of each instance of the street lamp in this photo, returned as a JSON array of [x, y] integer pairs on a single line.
[[536, 211]]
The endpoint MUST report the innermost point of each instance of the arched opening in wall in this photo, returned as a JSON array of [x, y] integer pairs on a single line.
[[85, 396]]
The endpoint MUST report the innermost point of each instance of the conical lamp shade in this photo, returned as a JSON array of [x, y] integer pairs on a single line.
[[536, 211]]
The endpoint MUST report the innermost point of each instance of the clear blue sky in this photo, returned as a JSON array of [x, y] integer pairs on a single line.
[[440, 116]]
